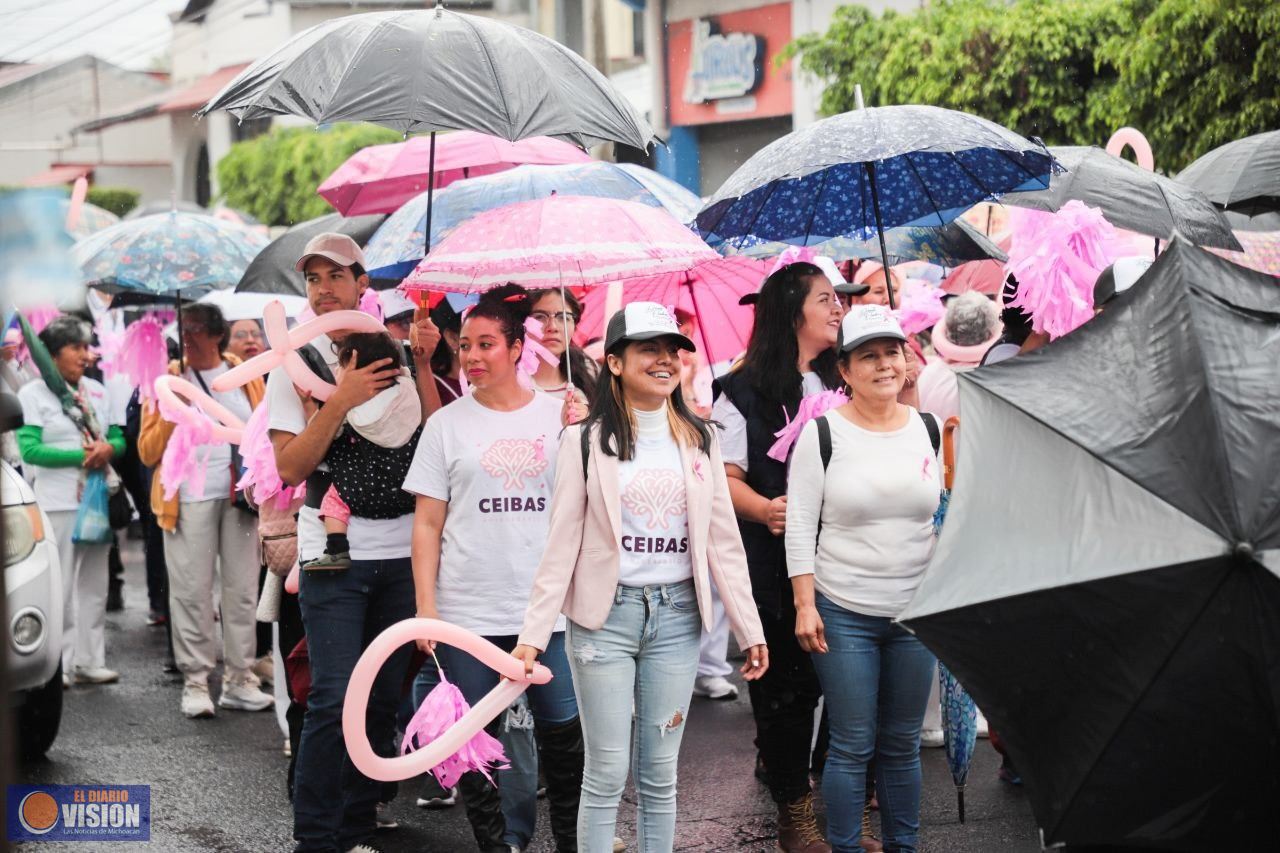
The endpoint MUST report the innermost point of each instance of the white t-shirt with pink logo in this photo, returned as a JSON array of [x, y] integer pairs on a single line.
[[655, 521], [497, 471]]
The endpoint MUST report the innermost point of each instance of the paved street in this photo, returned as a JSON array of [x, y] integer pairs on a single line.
[[218, 785]]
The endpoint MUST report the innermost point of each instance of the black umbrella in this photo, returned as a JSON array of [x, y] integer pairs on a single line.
[[1131, 197], [272, 270], [1106, 583], [1243, 176]]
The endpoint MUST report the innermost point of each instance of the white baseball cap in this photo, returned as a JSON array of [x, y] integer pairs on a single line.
[[394, 303], [643, 321], [867, 323]]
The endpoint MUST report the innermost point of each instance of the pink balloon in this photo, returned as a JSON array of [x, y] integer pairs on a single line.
[[283, 344], [494, 703], [1132, 138], [78, 193], [175, 392]]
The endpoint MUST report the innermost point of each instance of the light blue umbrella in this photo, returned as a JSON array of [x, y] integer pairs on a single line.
[[35, 268], [397, 246]]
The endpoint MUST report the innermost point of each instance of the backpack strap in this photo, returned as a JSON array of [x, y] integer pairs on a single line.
[[824, 440], [935, 435], [312, 358]]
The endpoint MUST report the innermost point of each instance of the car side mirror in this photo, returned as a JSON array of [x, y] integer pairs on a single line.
[[10, 412]]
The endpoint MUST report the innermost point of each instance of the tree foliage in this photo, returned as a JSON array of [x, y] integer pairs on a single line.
[[274, 176], [1191, 74], [118, 200]]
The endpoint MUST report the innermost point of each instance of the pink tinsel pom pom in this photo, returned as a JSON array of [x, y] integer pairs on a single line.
[[143, 356], [180, 463], [813, 406], [370, 303], [443, 707], [920, 307], [1057, 258], [259, 458]]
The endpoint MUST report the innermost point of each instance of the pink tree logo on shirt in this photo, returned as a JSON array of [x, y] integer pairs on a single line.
[[656, 494], [514, 459]]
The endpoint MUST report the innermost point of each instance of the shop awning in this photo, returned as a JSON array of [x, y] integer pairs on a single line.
[[59, 174]]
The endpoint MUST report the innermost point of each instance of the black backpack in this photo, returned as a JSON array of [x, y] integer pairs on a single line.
[[824, 435]]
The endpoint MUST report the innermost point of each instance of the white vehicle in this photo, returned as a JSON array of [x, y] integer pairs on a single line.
[[33, 605]]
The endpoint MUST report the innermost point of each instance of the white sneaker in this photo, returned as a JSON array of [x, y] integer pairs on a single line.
[[196, 703], [385, 820], [931, 739], [714, 687], [96, 675], [244, 696]]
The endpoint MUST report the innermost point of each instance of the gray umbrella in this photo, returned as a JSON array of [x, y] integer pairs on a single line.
[[1131, 197], [433, 70], [1243, 175]]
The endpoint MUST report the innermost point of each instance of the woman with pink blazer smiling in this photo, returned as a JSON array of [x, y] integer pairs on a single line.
[[641, 525]]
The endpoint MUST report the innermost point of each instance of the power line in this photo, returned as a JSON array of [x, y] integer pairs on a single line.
[[38, 5], [59, 30]]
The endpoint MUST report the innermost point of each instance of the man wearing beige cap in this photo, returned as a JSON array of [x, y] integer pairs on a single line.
[[334, 806]]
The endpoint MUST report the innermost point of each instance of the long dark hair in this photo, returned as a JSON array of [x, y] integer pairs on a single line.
[[617, 425], [772, 352], [573, 361], [508, 306], [446, 319]]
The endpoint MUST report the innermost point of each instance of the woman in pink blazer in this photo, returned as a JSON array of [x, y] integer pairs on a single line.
[[641, 525]]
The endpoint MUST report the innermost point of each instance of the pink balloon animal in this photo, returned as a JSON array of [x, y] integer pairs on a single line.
[[1132, 138]]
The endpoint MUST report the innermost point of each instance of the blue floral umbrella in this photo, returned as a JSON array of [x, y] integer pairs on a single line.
[[166, 256], [862, 172], [959, 729], [950, 245], [397, 246]]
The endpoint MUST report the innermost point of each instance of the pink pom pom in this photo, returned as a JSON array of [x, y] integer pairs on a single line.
[[813, 406], [793, 255], [443, 707], [370, 303], [143, 356], [920, 307], [180, 463], [1057, 258], [259, 458]]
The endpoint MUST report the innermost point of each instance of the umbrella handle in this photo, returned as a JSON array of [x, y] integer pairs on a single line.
[[960, 801], [949, 430]]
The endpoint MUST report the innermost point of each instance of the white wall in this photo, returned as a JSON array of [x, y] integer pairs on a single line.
[[154, 182]]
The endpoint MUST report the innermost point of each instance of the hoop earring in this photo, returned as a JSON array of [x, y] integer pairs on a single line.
[[848, 392]]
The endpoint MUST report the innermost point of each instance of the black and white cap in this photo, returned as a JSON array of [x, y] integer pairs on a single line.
[[643, 321], [1118, 278], [867, 323]]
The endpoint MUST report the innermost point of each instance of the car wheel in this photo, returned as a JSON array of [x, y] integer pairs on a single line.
[[39, 717]]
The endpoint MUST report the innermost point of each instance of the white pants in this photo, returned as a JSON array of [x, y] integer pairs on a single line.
[[84, 596], [207, 531], [713, 650]]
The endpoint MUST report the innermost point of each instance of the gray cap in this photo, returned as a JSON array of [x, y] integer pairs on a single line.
[[644, 321]]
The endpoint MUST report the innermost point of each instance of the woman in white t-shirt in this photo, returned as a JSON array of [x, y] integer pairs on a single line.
[[483, 473], [559, 313], [859, 534], [204, 530], [642, 524]]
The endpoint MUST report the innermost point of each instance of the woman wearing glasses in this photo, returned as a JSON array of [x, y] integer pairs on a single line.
[[559, 317], [245, 340]]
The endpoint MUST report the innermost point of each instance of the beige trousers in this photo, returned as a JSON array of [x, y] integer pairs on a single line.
[[210, 532]]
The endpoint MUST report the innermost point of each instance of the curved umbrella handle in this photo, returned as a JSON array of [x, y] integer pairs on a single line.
[[949, 451]]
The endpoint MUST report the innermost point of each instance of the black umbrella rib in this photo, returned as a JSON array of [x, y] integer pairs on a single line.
[[937, 211], [813, 213], [1015, 161], [977, 182]]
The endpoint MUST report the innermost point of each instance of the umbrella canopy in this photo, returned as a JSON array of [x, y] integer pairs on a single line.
[[431, 70], [1131, 197], [381, 178], [272, 270], [1243, 175], [163, 257], [959, 730], [34, 266], [155, 208], [948, 245], [1123, 634], [236, 305], [92, 219], [561, 241], [925, 166], [709, 292], [1261, 251], [679, 201], [398, 245]]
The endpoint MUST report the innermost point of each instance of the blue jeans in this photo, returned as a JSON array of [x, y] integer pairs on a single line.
[[343, 611], [876, 678], [645, 655]]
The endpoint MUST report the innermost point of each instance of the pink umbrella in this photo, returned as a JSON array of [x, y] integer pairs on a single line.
[[709, 292], [1261, 251], [983, 276], [380, 178], [560, 241]]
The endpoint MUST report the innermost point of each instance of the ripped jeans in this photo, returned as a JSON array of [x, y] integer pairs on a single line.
[[644, 657]]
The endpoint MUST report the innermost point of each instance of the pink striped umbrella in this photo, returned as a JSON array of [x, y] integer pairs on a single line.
[[380, 178], [560, 241], [709, 292]]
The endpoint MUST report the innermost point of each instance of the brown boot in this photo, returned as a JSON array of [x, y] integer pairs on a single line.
[[798, 828], [869, 842]]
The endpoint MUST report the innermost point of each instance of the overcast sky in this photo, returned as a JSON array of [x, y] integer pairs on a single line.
[[129, 32]]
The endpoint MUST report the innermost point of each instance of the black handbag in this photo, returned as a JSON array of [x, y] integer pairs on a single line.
[[119, 509]]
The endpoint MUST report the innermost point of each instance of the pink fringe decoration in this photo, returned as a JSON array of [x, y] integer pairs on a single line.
[[110, 342], [443, 707], [920, 307], [813, 406], [259, 458], [793, 255], [1057, 258], [143, 357], [370, 303], [180, 463]]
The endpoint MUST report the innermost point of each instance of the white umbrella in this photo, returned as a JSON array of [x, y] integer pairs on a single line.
[[250, 306]]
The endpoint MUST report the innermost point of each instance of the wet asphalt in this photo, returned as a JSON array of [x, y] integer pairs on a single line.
[[219, 784]]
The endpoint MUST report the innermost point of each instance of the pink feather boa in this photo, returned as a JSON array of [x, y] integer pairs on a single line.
[[1057, 258], [180, 463], [143, 356], [813, 406], [259, 457], [443, 707]]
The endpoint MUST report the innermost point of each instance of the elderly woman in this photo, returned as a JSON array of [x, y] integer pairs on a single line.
[[970, 327], [245, 339], [861, 495], [64, 436], [202, 528]]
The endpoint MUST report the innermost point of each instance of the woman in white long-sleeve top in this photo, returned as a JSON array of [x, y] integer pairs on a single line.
[[862, 492], [641, 525]]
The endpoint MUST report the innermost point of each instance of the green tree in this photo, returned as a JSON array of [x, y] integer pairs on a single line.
[[274, 176]]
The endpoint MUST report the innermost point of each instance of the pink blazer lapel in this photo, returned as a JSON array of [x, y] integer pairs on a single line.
[[697, 485], [607, 476]]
